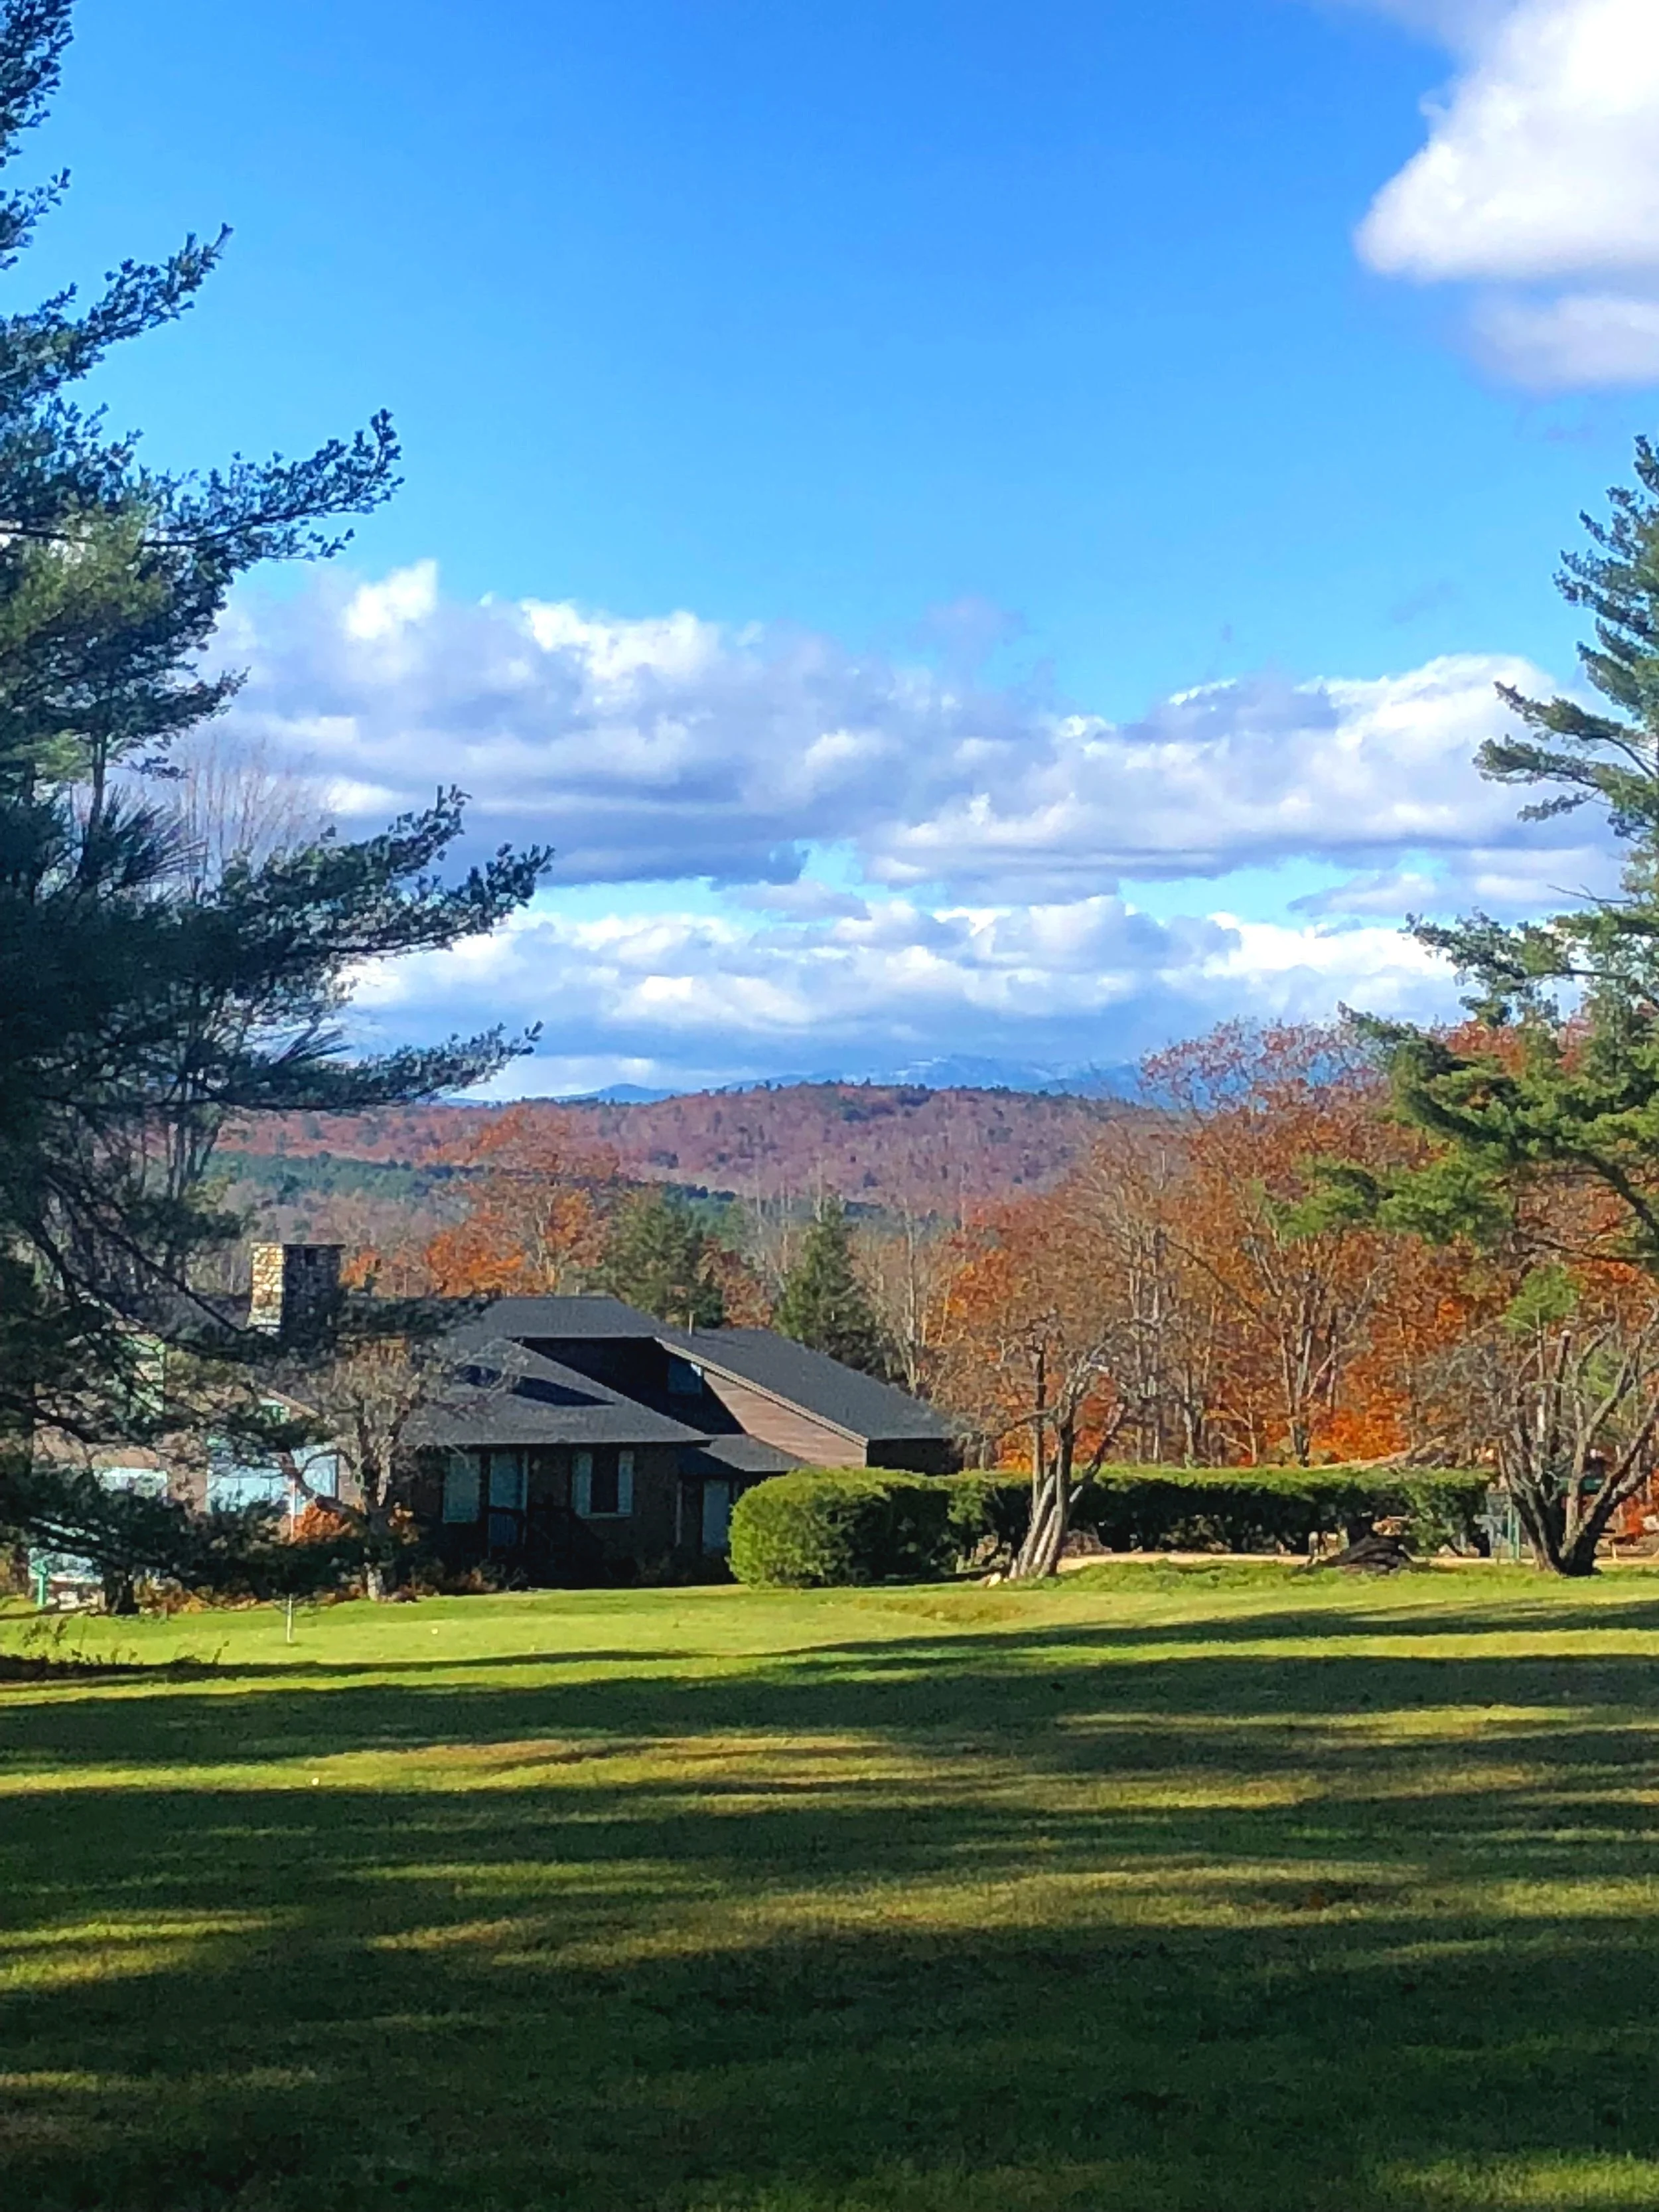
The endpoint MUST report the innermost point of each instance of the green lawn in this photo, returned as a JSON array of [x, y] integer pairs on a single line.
[[1220, 1889]]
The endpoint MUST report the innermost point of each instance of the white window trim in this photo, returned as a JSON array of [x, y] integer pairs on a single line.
[[581, 1487]]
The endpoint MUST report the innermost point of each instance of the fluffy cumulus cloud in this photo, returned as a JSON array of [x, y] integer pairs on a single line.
[[672, 748], [1539, 184], [883, 864], [685, 998]]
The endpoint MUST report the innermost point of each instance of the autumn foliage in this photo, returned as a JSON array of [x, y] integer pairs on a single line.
[[535, 1222], [1181, 1297], [1186, 1291]]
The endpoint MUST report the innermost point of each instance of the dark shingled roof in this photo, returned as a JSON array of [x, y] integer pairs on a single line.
[[856, 1404], [739, 1455], [811, 1380], [505, 1394]]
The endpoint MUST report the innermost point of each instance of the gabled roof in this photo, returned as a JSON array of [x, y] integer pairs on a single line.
[[863, 1409], [856, 1404], [504, 1394]]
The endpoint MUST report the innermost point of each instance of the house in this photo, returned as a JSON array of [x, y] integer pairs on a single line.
[[575, 1439], [583, 1440], [569, 1439]]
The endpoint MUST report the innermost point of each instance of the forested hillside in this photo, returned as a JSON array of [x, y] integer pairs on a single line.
[[928, 1151]]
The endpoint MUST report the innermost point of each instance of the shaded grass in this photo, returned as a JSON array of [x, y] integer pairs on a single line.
[[1194, 1890]]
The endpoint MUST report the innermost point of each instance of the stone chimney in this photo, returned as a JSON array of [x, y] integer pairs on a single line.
[[296, 1288]]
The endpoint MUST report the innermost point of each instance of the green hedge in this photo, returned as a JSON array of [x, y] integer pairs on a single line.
[[825, 1526], [1230, 1509], [828, 1526]]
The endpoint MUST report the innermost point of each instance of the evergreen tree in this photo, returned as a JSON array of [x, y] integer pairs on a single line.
[[659, 1257], [139, 1004], [824, 1304], [1543, 1119]]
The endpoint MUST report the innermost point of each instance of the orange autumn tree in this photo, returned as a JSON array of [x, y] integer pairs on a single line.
[[536, 1207], [744, 1299], [1318, 1325], [1179, 1297], [1407, 1389], [1033, 1342], [1173, 1319]]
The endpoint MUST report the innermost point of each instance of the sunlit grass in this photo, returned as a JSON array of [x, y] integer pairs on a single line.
[[1216, 1890]]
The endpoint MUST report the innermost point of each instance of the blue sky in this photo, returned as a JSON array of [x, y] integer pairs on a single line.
[[1098, 456]]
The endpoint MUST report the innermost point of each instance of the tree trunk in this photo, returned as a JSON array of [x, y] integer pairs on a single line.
[[1051, 1508], [1563, 1511], [120, 1591], [1539, 1513], [1578, 1553], [1555, 1547]]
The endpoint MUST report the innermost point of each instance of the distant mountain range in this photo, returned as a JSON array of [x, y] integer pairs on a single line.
[[916, 1141], [959, 1072]]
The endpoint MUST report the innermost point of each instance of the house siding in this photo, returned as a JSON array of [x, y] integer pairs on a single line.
[[545, 1537]]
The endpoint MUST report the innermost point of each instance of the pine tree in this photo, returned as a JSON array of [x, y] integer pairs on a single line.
[[140, 1004], [824, 1304], [659, 1257], [1543, 1120]]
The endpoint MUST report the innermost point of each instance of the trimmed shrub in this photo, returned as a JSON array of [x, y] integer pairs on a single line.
[[825, 1526], [829, 1526], [1276, 1509], [990, 1512], [1230, 1509]]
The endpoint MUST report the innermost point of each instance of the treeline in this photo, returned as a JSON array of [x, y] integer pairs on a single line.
[[534, 1215], [1190, 1293], [880, 1145], [1287, 1260]]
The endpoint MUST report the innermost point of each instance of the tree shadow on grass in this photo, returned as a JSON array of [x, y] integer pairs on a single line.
[[922, 1688], [959, 1924]]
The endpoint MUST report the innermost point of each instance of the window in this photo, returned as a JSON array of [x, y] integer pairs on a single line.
[[685, 1378], [461, 1488], [507, 1499], [144, 1481], [716, 1515], [321, 1469], [233, 1485], [602, 1486]]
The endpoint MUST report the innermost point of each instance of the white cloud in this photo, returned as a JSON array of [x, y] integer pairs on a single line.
[[1506, 882], [653, 749], [672, 748], [1545, 161], [376, 611], [1583, 337], [1541, 168], [902, 865], [1235, 774], [685, 997]]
